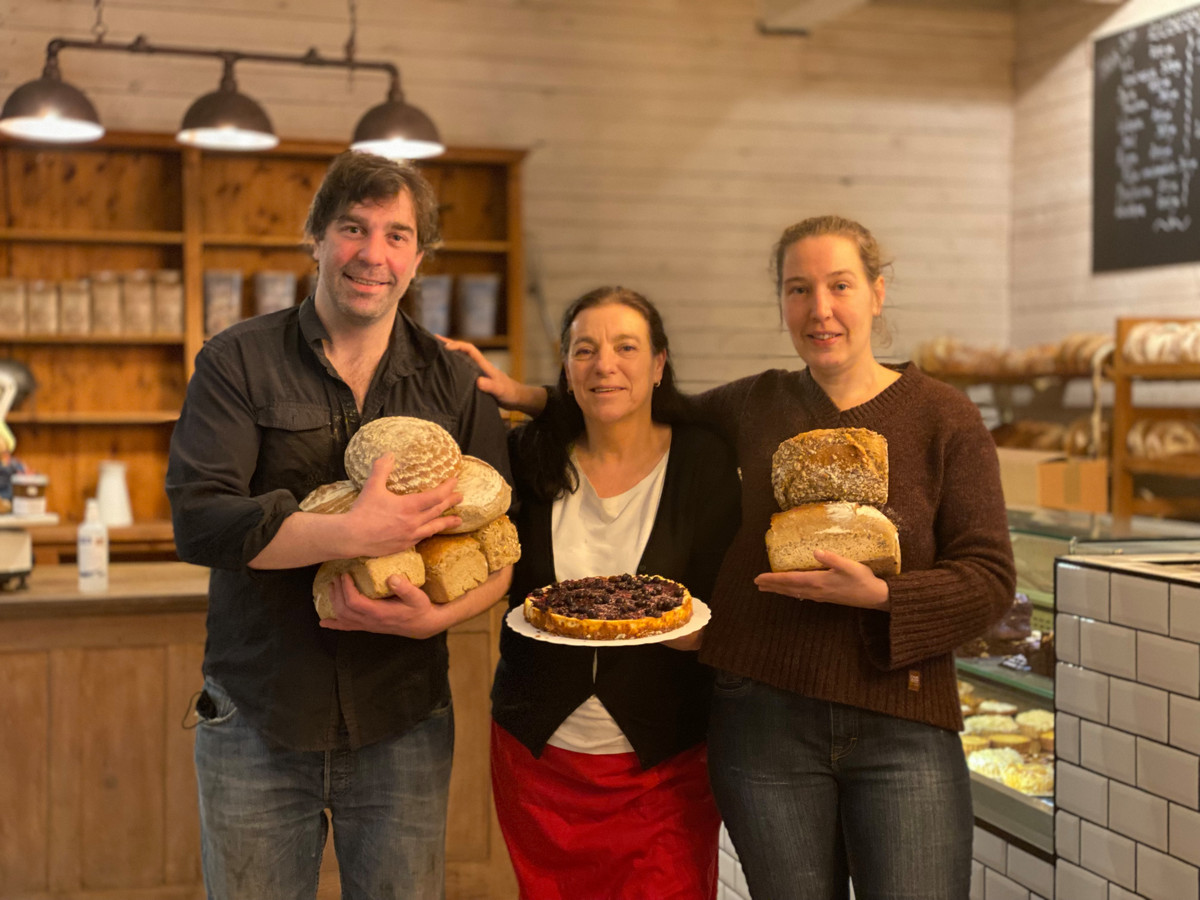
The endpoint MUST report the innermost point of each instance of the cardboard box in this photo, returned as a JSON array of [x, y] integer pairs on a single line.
[[1074, 483], [1050, 479]]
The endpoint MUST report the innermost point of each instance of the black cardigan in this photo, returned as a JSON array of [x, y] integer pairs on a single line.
[[658, 696]]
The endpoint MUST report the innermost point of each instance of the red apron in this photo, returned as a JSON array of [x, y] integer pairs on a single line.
[[597, 827]]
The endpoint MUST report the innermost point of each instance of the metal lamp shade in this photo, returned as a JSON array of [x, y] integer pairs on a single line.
[[49, 109], [227, 120], [398, 131]]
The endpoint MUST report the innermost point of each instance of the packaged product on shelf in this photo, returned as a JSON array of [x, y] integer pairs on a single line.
[[477, 301], [75, 306], [137, 303], [222, 299], [432, 303], [106, 303], [168, 302], [274, 290], [13, 317], [42, 306]]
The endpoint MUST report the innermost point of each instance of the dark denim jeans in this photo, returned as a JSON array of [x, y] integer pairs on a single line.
[[262, 811], [814, 792]]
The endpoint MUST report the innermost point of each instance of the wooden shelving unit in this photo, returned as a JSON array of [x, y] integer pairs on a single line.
[[143, 201], [1184, 501]]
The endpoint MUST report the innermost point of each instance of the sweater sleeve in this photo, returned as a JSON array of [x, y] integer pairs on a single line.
[[721, 408], [972, 581]]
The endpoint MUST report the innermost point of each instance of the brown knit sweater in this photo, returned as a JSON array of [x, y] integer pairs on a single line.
[[957, 574]]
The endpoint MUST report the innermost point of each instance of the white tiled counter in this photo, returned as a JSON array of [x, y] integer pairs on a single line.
[[1128, 727]]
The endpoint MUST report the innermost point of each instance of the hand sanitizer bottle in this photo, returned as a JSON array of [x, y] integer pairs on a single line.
[[92, 550]]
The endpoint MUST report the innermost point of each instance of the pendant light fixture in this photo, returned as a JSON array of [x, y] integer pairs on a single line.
[[49, 109], [227, 120]]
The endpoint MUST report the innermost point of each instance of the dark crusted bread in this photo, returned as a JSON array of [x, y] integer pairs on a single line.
[[831, 464]]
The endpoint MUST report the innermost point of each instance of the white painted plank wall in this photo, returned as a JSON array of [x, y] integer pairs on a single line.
[[671, 141], [1053, 289]]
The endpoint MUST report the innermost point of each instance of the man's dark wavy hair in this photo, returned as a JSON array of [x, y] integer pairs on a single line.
[[354, 177]]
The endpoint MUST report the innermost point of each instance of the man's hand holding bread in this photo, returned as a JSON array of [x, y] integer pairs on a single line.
[[429, 524]]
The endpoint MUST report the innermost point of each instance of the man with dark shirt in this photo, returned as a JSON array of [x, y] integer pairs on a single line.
[[350, 714]]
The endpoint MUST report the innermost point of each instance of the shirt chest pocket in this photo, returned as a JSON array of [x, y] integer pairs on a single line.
[[300, 448]]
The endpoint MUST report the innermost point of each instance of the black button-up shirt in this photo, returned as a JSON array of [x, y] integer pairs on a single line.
[[266, 420]]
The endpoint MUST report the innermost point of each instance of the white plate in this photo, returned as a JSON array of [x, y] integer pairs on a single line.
[[517, 622]]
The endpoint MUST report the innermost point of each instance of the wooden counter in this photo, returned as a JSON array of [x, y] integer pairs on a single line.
[[96, 773]]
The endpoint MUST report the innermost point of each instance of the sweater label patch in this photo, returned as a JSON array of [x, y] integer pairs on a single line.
[[914, 680]]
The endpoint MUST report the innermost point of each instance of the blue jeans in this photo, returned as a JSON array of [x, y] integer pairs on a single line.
[[814, 792], [262, 810]]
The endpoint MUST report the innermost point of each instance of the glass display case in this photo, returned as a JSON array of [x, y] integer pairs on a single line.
[[1006, 678]]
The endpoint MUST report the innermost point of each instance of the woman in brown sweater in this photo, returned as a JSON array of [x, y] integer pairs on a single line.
[[833, 749]]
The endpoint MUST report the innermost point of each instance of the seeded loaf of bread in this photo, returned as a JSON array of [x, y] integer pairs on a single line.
[[498, 541], [826, 464], [852, 530], [425, 454], [370, 576]]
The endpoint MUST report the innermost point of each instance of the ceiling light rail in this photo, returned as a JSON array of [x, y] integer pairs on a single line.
[[52, 110]]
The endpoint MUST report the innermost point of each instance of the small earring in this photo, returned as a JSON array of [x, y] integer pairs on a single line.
[[658, 383]]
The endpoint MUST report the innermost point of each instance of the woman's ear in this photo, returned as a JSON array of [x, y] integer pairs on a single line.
[[879, 289]]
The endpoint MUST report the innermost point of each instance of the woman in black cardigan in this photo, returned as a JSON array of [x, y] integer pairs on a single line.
[[598, 755]]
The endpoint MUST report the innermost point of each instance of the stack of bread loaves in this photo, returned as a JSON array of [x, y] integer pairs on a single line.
[[447, 565], [828, 483]]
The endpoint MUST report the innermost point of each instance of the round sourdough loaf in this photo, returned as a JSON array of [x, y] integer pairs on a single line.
[[337, 497], [425, 454], [831, 464], [486, 495]]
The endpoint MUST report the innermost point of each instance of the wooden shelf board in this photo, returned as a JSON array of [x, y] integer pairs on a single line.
[[275, 241], [474, 247], [99, 236], [1183, 466], [83, 339], [1159, 371], [148, 417], [290, 242]]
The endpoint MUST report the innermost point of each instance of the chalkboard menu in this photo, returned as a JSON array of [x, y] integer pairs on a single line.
[[1146, 192]]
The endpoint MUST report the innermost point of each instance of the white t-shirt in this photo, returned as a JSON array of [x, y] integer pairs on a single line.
[[595, 535]]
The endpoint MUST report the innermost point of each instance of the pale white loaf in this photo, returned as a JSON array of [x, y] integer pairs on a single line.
[[425, 454], [852, 530], [337, 497], [831, 464], [486, 495], [370, 576]]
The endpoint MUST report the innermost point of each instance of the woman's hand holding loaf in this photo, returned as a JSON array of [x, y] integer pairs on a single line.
[[845, 581]]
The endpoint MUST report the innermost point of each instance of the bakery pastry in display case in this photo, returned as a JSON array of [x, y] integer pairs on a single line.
[[1004, 742], [1006, 676]]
